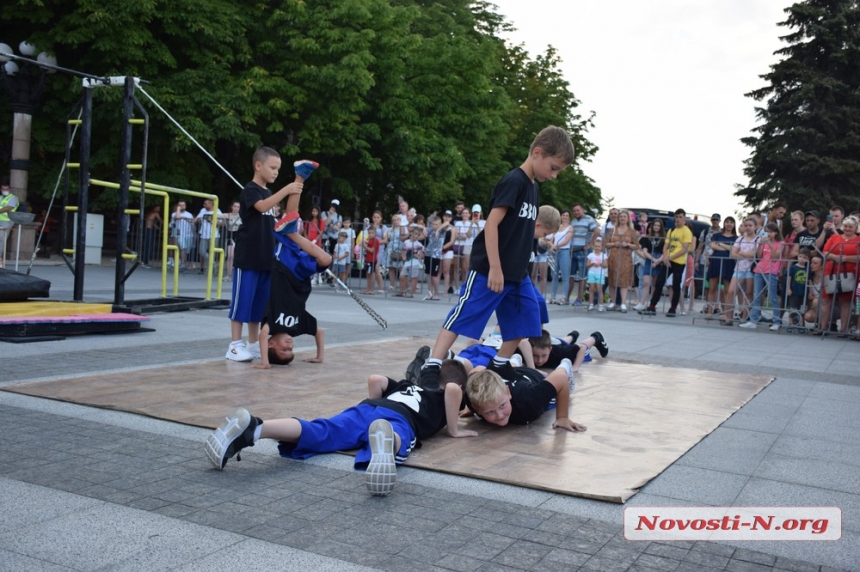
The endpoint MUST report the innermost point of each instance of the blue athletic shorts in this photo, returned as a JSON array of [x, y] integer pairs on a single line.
[[517, 310], [250, 295], [346, 431], [300, 263], [479, 354]]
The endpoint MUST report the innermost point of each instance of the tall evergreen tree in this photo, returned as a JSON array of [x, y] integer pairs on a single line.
[[806, 150]]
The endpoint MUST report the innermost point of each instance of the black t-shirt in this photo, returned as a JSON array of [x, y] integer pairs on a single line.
[[559, 352], [423, 408], [288, 296], [653, 245], [254, 240], [807, 239], [517, 229]]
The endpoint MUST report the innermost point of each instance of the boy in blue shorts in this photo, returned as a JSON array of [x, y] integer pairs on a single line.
[[384, 428], [255, 245], [501, 284]]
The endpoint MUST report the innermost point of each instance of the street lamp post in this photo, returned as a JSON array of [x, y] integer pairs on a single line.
[[25, 86]]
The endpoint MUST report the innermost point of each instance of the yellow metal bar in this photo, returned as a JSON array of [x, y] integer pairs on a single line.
[[75, 121], [136, 121], [72, 209], [135, 166], [68, 251], [129, 256], [177, 190], [73, 165], [132, 211]]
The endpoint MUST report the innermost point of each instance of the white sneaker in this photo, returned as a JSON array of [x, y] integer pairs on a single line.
[[517, 360], [381, 473], [623, 308], [748, 325], [774, 328], [253, 349], [568, 369], [610, 306], [601, 308], [237, 352], [590, 307], [639, 307]]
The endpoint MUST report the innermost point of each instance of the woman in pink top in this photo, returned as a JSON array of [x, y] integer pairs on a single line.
[[770, 258]]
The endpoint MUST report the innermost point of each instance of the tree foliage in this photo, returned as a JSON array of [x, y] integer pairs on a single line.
[[416, 98], [806, 149]]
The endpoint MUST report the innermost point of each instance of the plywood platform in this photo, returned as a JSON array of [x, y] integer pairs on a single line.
[[640, 418]]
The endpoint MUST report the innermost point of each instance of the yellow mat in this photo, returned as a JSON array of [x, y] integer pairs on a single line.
[[640, 418], [46, 308]]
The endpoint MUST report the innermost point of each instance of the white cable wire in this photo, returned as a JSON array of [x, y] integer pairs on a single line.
[[187, 134]]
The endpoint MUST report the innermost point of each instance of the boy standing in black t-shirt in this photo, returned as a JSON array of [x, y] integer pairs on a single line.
[[501, 284], [255, 243], [384, 428]]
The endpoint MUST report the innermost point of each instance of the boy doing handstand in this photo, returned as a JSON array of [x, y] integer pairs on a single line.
[[384, 428], [502, 285]]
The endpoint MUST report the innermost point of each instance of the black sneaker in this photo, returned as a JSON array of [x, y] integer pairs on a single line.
[[574, 335], [413, 370], [600, 344], [671, 314], [649, 311], [234, 434], [428, 377], [450, 289]]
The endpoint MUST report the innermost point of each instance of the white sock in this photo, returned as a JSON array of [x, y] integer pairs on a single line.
[[236, 343], [500, 361], [432, 361], [257, 432]]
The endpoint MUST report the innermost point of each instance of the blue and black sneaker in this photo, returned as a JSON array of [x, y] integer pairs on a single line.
[[305, 168]]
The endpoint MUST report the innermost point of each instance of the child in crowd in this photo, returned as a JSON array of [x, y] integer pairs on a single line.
[[342, 261], [523, 397], [502, 284], [769, 256], [384, 428], [434, 243], [597, 263], [412, 252], [371, 251], [255, 245], [798, 273]]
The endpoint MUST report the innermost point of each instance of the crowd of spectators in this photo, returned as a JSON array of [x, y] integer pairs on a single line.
[[766, 269]]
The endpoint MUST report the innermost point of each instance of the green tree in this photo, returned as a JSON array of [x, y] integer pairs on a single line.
[[417, 98], [806, 149]]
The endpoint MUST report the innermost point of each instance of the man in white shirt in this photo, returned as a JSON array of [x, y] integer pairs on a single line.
[[204, 221]]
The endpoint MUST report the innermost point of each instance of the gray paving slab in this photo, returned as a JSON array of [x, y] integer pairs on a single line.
[[731, 450], [317, 514]]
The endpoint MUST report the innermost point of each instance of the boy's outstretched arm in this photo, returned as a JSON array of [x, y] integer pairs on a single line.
[[264, 348], [495, 280], [453, 398], [319, 337], [322, 257], [294, 189], [559, 380]]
